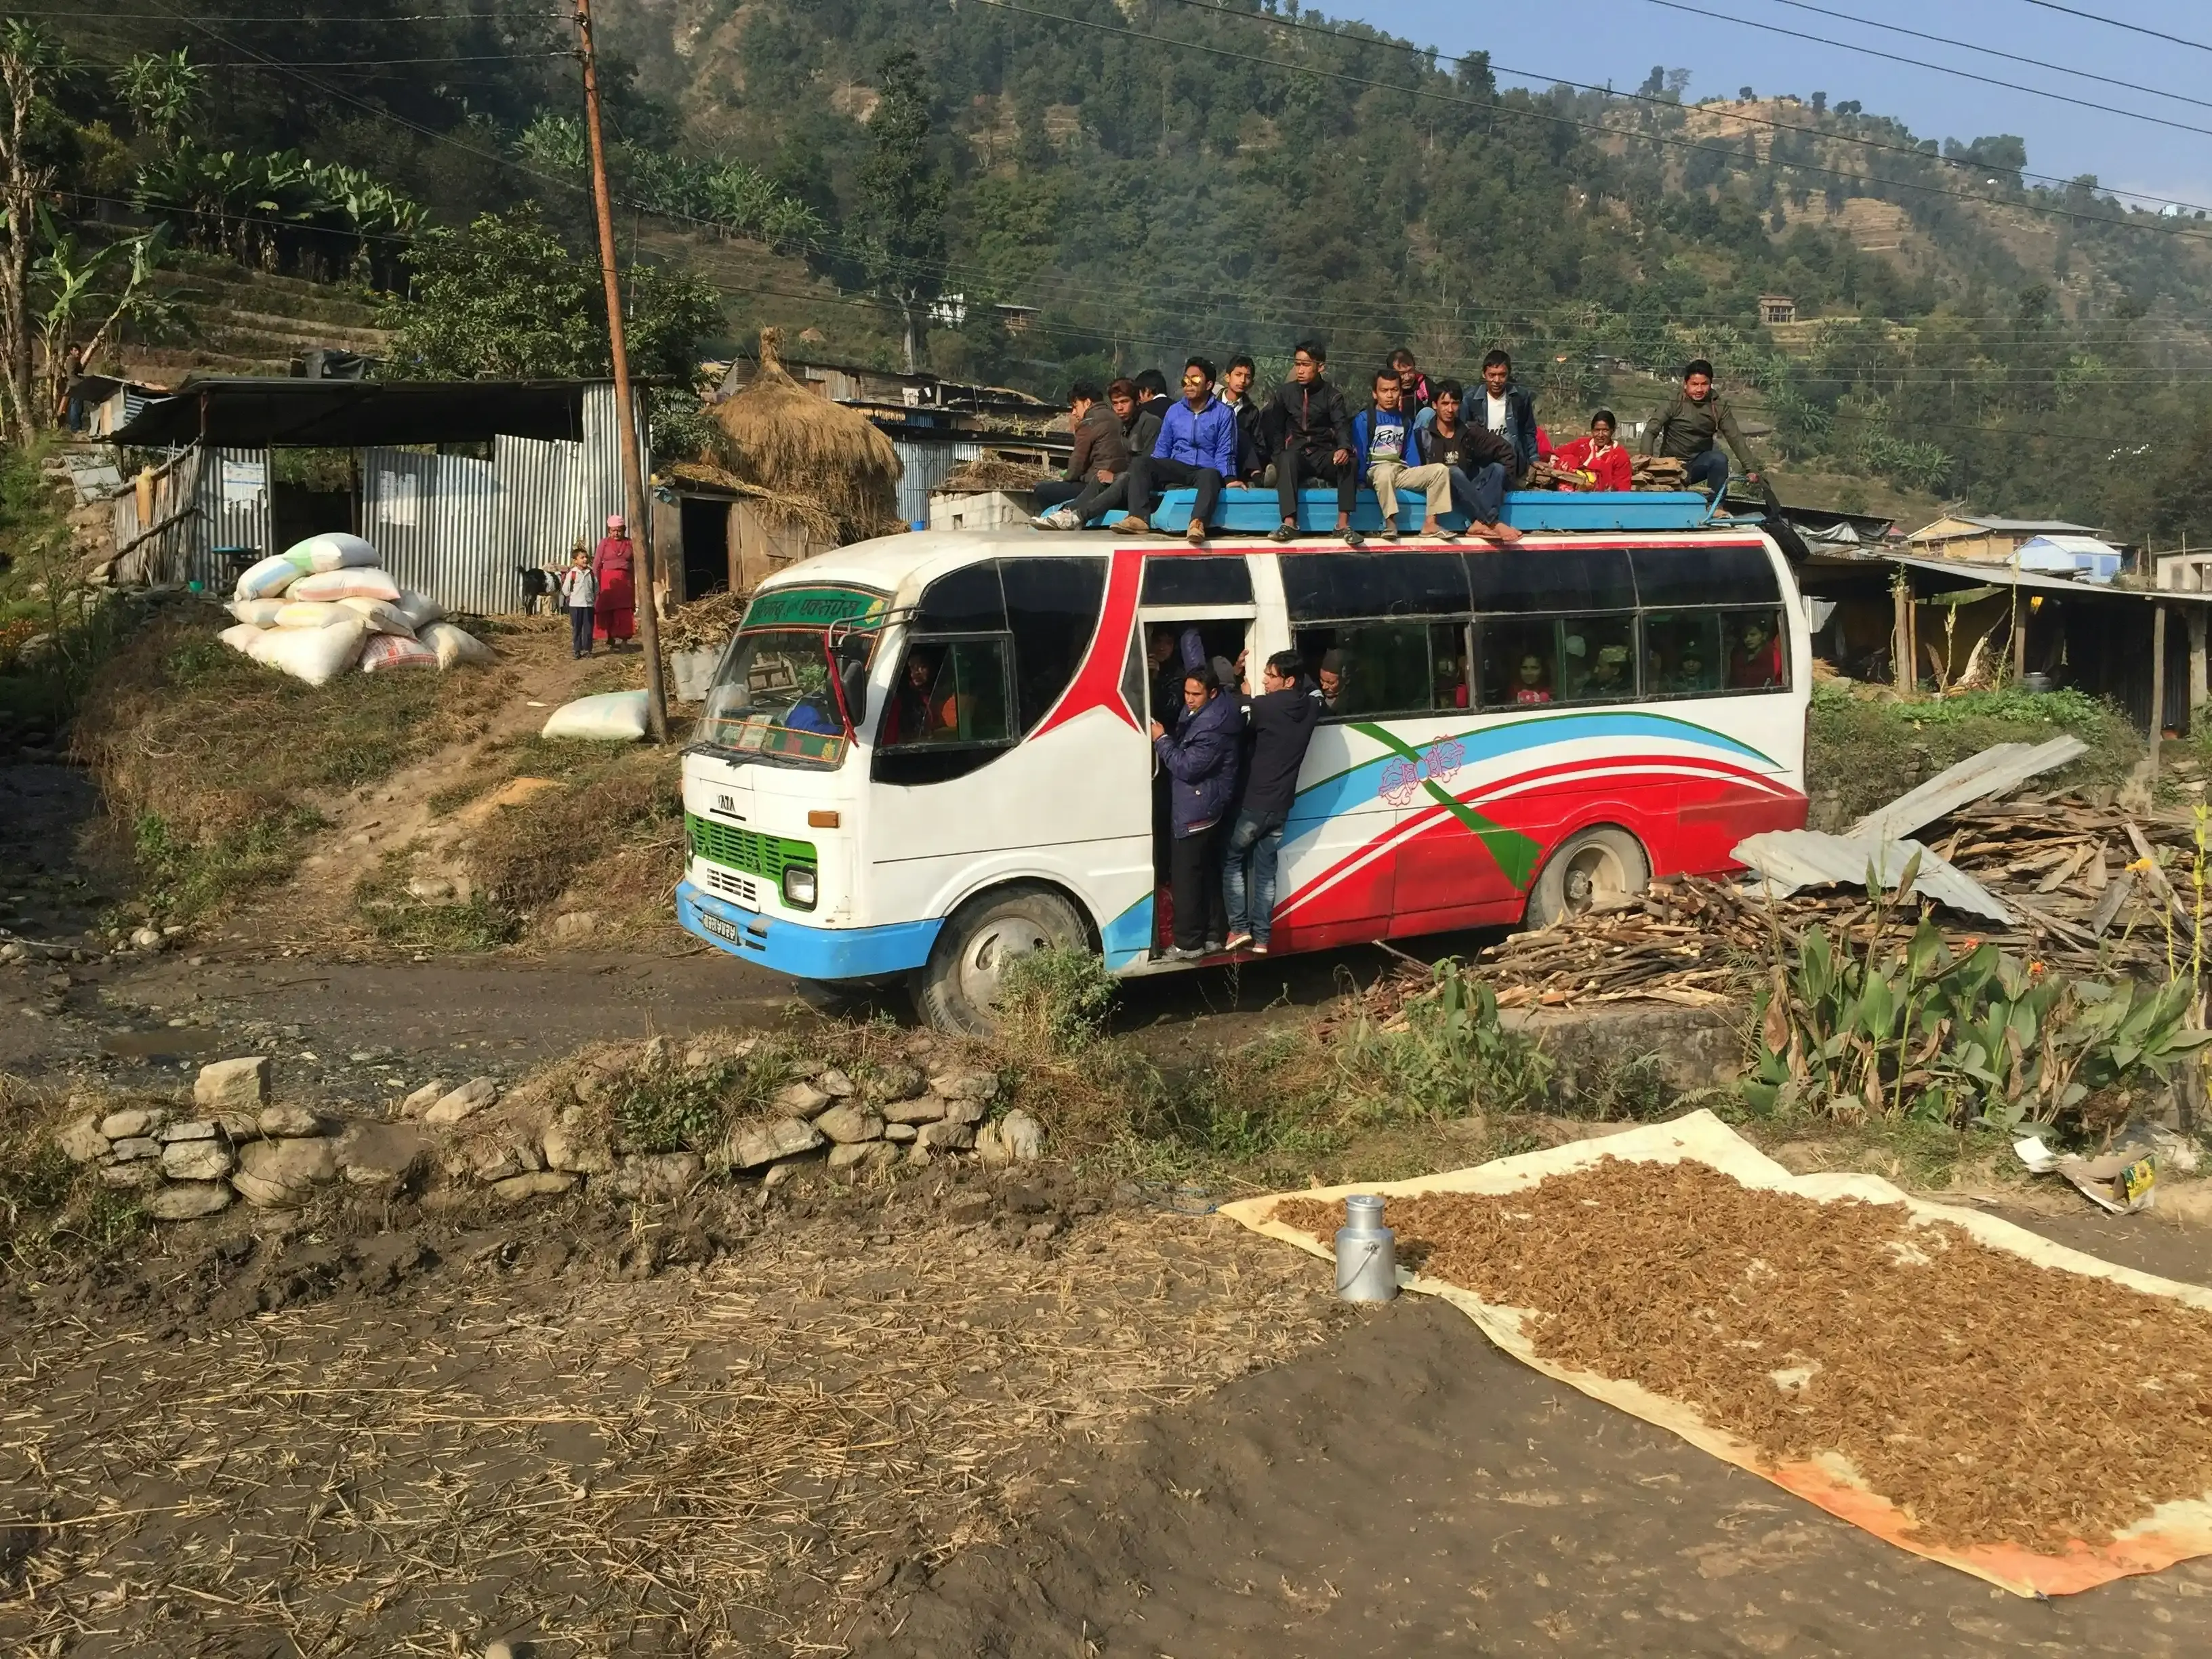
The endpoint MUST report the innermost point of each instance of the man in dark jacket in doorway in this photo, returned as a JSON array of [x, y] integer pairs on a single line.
[[1202, 761], [1282, 721]]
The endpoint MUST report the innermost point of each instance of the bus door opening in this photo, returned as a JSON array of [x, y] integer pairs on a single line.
[[1170, 644]]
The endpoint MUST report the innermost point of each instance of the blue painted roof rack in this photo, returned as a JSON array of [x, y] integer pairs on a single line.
[[1254, 512]]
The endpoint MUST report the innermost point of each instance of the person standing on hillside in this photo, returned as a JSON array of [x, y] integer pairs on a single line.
[[1691, 426], [579, 596], [1196, 446], [1282, 721], [616, 602], [1314, 435], [1503, 408]]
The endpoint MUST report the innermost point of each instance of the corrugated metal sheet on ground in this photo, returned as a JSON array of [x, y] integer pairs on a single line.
[[2002, 767], [1784, 861]]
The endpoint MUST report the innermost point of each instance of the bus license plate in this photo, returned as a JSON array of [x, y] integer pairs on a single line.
[[720, 929]]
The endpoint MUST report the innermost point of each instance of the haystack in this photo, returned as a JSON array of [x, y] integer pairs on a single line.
[[792, 445]]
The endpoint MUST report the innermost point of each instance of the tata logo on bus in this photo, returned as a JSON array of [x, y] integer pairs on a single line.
[[727, 805], [816, 607]]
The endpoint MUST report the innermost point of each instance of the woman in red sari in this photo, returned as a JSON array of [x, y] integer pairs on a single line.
[[618, 603]]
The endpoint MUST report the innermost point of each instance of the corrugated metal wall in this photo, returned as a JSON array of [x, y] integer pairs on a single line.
[[926, 467], [450, 526]]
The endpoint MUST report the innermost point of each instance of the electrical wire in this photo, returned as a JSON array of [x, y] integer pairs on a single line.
[[1712, 17], [1427, 53], [1992, 51], [2115, 23]]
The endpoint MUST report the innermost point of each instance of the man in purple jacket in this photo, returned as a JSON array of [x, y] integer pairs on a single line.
[[1197, 445], [1201, 757]]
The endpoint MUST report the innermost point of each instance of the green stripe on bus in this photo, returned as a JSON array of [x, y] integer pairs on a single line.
[[815, 607], [747, 850], [1516, 853]]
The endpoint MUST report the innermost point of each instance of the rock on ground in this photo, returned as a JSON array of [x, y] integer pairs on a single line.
[[764, 1143], [196, 1160], [537, 1183], [918, 1108], [372, 1154], [277, 1173], [845, 1123], [133, 1121], [81, 1140], [423, 1098], [945, 1137], [188, 1200], [277, 1121], [470, 1098], [233, 1085]]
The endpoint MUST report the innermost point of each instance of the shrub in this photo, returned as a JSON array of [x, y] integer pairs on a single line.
[[1054, 1002]]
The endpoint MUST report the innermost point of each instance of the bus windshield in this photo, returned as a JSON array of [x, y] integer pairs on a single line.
[[772, 695]]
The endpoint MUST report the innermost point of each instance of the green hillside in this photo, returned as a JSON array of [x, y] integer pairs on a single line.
[[1135, 180]]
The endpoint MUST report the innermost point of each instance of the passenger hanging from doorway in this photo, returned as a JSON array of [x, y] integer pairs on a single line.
[[1196, 446], [580, 596], [1503, 408], [1690, 429], [1279, 723], [1473, 464], [1312, 430], [1201, 759], [1595, 462], [616, 606], [1098, 461], [1382, 437]]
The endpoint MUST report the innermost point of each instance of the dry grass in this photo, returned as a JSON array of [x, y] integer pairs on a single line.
[[718, 1462], [786, 440]]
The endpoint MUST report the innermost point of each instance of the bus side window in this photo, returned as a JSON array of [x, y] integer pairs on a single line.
[[1753, 640], [1682, 654], [1389, 668], [951, 692], [1600, 658], [1051, 608], [1520, 663]]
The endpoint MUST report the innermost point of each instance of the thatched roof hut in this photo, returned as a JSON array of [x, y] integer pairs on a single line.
[[790, 444]]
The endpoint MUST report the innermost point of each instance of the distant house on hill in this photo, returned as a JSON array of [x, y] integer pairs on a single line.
[[1777, 308], [1986, 540]]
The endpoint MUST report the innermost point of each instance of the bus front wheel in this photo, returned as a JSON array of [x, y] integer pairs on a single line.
[[958, 989], [1590, 866]]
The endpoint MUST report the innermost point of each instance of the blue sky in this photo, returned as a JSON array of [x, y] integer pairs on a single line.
[[1617, 41]]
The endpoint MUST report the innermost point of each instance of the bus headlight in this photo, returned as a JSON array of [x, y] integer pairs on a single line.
[[798, 886]]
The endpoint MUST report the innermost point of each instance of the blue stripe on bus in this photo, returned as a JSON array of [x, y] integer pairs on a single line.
[[805, 953], [1128, 937]]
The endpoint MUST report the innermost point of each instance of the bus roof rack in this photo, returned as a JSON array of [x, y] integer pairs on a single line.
[[1252, 512]]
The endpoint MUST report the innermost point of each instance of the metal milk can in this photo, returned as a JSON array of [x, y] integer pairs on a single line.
[[1366, 1253]]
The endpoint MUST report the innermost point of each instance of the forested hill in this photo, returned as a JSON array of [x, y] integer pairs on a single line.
[[1107, 184]]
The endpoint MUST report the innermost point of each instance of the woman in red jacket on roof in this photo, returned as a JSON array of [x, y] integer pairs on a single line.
[[1603, 464], [617, 603]]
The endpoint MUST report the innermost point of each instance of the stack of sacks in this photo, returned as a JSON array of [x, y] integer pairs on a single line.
[[323, 606]]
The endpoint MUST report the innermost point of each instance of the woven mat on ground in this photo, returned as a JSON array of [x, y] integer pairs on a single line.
[[2106, 1442]]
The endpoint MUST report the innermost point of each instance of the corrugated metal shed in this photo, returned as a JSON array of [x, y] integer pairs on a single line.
[[925, 467]]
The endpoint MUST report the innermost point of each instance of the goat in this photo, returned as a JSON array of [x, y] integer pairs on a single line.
[[538, 585]]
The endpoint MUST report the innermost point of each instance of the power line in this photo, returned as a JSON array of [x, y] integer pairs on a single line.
[[1992, 51], [2115, 23], [1424, 53], [1940, 69]]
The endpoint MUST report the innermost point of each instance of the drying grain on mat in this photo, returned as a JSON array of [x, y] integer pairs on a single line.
[[1993, 1399]]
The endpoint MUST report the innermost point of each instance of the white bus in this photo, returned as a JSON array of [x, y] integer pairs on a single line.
[[1518, 730]]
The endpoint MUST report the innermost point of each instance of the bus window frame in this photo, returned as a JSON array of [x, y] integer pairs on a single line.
[[1005, 640], [1553, 619], [1779, 611], [1429, 624]]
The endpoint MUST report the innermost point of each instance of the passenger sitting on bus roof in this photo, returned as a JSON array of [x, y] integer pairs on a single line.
[[1475, 463], [1202, 760], [1531, 686], [1197, 445], [1105, 484], [1755, 664], [1596, 462], [1503, 408], [1235, 394], [1152, 404], [1690, 429], [1100, 456], [1414, 394], [1313, 432], [1331, 677], [1280, 722], [1382, 437]]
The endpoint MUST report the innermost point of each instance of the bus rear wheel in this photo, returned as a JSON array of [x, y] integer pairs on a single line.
[[1590, 865], [958, 989]]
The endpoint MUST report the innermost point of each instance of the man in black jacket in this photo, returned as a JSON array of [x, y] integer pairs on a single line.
[[1312, 428], [1282, 721]]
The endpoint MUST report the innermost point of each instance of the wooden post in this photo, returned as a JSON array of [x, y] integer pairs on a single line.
[[641, 531], [1900, 648], [2021, 612], [2199, 693], [2157, 684], [1911, 636]]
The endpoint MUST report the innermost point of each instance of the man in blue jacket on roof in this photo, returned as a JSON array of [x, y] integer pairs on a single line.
[[1197, 446]]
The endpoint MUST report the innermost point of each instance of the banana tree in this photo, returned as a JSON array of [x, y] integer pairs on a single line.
[[85, 295]]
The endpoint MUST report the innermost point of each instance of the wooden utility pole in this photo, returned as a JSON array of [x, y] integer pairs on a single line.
[[2157, 684], [649, 618]]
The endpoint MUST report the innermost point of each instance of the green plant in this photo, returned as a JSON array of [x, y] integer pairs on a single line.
[[673, 1110], [1446, 1054], [1056, 1001], [1981, 1038]]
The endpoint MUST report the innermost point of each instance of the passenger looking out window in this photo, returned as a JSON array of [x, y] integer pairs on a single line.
[[948, 693], [1532, 680], [1754, 652]]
